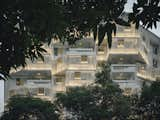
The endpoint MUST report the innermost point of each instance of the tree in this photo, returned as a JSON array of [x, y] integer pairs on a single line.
[[96, 101], [24, 26], [27, 108], [147, 106], [146, 12], [99, 16]]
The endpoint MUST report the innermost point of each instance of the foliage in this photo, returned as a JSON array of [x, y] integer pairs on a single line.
[[147, 106], [24, 26], [95, 102], [99, 16], [146, 12], [27, 108], [103, 77]]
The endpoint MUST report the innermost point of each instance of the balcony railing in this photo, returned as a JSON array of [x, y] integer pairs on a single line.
[[79, 82], [38, 83], [123, 68], [38, 66], [79, 51], [146, 74], [81, 67], [59, 68]]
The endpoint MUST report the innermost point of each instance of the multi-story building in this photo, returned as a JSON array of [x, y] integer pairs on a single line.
[[134, 58]]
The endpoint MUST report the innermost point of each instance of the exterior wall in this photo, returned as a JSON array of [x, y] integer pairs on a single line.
[[131, 57], [1, 96]]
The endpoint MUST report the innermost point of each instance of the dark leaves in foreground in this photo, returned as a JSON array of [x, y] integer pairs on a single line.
[[146, 12], [27, 108]]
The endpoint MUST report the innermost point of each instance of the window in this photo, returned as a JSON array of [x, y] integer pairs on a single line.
[[40, 61], [56, 51], [155, 50], [155, 63], [19, 82], [143, 38], [84, 59], [40, 91], [127, 91], [77, 75], [120, 43], [59, 80], [60, 51], [101, 50], [11, 93]]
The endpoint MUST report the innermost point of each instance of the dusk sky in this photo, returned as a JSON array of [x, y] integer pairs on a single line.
[[128, 8]]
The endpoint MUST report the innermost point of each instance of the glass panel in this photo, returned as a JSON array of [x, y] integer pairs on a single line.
[[77, 75], [19, 82], [84, 59], [56, 51], [120, 43], [40, 91]]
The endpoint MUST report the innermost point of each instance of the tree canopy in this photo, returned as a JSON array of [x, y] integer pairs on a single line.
[[27, 108], [26, 24], [98, 101]]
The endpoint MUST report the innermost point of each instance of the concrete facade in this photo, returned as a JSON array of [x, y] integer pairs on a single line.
[[134, 58]]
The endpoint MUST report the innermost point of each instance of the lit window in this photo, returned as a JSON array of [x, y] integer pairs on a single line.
[[60, 51], [40, 61], [84, 59], [12, 93], [59, 61], [40, 91], [120, 43], [127, 30], [77, 75], [127, 91], [59, 80], [101, 50], [19, 82]]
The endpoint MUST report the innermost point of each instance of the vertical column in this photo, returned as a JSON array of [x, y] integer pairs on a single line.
[[1, 97]]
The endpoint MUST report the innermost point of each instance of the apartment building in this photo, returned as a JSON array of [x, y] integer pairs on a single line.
[[134, 58]]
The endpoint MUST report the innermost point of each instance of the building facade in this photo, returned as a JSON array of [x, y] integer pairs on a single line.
[[134, 58]]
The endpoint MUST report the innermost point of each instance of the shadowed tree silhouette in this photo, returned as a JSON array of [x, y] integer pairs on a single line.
[[27, 108], [103, 100], [146, 12], [100, 16], [24, 26]]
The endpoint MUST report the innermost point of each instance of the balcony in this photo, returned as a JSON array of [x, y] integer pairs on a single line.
[[101, 56], [128, 49], [146, 74], [123, 68], [59, 88], [60, 68], [38, 83], [38, 67], [73, 83], [127, 34], [81, 67], [80, 51]]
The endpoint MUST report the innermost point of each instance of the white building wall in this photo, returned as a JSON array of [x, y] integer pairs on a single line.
[[1, 96]]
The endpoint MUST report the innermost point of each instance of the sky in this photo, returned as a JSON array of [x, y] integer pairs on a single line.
[[128, 8]]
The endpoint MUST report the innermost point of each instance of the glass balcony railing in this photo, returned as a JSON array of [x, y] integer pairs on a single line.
[[146, 74], [79, 82], [38, 83]]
